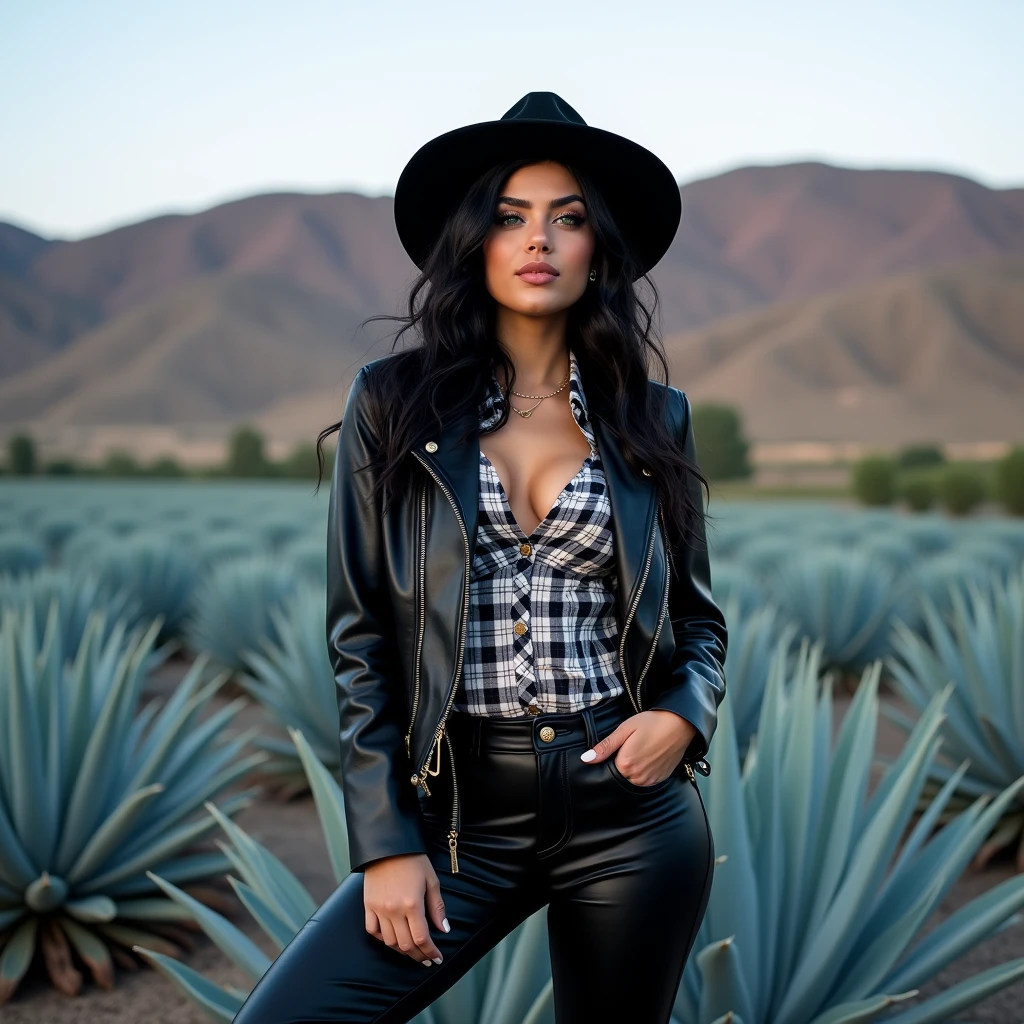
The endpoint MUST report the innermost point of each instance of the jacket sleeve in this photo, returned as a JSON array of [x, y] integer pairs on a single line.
[[381, 808], [696, 682]]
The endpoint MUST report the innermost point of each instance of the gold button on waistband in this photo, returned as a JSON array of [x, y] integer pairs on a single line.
[[520, 628], [431, 446], [547, 734], [524, 549]]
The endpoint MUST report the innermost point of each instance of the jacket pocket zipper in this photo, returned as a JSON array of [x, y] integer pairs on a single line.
[[629, 617]]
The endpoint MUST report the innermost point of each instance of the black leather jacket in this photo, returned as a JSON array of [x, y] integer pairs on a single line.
[[398, 604]]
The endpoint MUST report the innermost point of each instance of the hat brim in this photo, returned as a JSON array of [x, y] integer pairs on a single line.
[[638, 188]]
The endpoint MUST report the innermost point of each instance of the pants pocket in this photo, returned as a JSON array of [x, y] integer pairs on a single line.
[[632, 787]]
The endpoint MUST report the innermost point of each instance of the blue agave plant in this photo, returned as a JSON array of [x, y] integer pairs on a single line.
[[94, 791], [79, 595], [815, 911], [980, 647], [845, 599], [295, 683], [510, 985], [232, 604]]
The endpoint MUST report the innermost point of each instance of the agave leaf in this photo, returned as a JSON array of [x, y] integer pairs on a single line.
[[330, 806], [847, 785], [218, 1004], [927, 821], [165, 846], [16, 956], [29, 804], [725, 987], [56, 952], [527, 973], [867, 970], [737, 914], [107, 837], [543, 1009], [151, 909], [15, 867], [863, 1010], [1002, 745], [97, 766], [816, 973], [179, 869], [92, 950], [963, 929], [92, 908], [266, 874], [968, 992], [9, 915], [277, 929], [231, 941]]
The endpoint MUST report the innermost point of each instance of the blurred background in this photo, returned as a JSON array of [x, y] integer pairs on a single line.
[[195, 217]]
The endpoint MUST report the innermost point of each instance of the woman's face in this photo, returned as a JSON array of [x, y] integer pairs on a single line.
[[540, 219]]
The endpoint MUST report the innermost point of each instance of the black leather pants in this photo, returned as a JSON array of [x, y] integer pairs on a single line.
[[625, 871]]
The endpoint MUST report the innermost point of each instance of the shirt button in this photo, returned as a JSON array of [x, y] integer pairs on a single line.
[[520, 628], [524, 549]]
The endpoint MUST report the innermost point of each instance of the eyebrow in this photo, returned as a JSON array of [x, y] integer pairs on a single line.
[[527, 205]]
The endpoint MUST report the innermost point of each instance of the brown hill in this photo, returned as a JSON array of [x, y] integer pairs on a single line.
[[210, 352], [748, 238], [932, 356]]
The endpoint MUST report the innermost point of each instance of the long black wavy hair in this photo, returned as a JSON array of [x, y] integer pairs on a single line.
[[611, 330]]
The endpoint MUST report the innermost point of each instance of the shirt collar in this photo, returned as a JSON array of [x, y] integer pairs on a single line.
[[490, 407]]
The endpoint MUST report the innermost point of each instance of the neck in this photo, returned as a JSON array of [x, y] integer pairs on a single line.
[[537, 347]]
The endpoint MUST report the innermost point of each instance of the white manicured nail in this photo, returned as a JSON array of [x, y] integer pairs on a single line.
[[426, 963], [588, 755], [445, 925], [437, 959]]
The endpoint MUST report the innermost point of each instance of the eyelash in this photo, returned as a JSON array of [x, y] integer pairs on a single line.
[[578, 218]]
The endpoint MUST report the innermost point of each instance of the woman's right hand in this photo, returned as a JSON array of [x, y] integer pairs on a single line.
[[396, 892]]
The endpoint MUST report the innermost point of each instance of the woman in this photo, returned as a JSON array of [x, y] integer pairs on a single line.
[[528, 657]]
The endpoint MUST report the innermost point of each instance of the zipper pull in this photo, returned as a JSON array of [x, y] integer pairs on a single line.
[[452, 842], [408, 753], [423, 783], [703, 767]]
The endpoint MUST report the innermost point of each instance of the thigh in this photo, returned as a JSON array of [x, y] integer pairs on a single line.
[[334, 970], [629, 899]]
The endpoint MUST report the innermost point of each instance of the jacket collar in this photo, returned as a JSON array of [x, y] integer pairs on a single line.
[[633, 497]]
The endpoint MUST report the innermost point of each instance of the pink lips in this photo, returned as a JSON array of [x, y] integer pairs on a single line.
[[537, 273]]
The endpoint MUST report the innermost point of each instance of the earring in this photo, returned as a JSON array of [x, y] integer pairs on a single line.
[[593, 274]]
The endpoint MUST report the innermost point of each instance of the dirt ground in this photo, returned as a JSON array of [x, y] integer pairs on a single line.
[[292, 832]]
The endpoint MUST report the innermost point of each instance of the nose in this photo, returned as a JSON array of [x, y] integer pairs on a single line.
[[538, 242]]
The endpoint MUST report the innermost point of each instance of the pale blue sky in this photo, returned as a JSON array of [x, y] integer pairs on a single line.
[[112, 112]]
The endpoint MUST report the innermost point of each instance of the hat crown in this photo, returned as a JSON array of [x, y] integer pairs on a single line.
[[543, 106]]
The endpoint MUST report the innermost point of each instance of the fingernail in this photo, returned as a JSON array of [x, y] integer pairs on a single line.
[[426, 963], [437, 959], [588, 755], [445, 925]]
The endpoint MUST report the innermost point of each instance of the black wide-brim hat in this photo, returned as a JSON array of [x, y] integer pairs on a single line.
[[639, 190]]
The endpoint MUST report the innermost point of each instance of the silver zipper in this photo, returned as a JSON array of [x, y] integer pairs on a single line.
[[423, 618], [424, 769], [629, 617], [453, 834]]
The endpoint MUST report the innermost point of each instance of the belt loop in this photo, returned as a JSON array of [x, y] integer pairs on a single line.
[[588, 718]]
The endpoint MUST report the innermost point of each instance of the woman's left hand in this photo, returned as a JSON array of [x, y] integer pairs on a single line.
[[652, 745]]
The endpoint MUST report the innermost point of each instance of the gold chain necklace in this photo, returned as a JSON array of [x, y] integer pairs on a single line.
[[529, 412]]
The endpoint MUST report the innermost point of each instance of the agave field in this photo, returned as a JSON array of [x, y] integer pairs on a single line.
[[170, 807]]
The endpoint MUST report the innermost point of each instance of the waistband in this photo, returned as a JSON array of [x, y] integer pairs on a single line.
[[535, 734]]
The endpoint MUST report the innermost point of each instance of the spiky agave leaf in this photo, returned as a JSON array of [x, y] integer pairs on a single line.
[[292, 678], [92, 794], [979, 647], [816, 914]]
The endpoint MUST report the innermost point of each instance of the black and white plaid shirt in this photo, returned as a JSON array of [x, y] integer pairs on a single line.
[[542, 628]]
